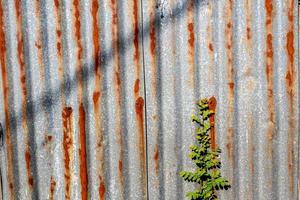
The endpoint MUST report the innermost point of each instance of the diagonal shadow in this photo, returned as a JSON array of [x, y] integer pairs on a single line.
[[70, 83]]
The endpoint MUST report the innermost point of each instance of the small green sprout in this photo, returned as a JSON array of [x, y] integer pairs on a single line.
[[206, 157]]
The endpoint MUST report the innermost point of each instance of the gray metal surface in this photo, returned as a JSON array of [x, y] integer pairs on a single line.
[[96, 96]]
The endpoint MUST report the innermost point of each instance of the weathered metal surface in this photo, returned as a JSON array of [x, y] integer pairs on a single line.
[[243, 53], [96, 96]]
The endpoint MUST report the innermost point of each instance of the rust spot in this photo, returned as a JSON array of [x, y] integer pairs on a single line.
[[118, 78], [56, 3], [139, 110], [248, 33], [269, 45], [9, 147], [82, 153], [38, 45], [120, 166], [96, 96], [58, 33], [52, 188], [212, 106], [191, 35], [67, 147], [28, 167], [137, 86], [231, 85], [101, 189], [210, 46], [229, 25], [269, 7], [58, 47], [156, 158]]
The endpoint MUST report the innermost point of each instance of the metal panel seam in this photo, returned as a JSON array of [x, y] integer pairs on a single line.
[[145, 98]]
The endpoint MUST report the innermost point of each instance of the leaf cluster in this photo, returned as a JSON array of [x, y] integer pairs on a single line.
[[207, 160]]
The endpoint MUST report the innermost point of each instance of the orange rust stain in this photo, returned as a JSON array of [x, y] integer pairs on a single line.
[[210, 46], [269, 71], [52, 188], [136, 33], [95, 9], [67, 147], [56, 3], [118, 78], [230, 78], [152, 43], [137, 86], [101, 189], [152, 39], [28, 167], [212, 106], [96, 97], [248, 33], [58, 46], [58, 33], [156, 158], [291, 91], [5, 88], [231, 86], [38, 45], [269, 7], [139, 110], [82, 153], [77, 28], [120, 166], [191, 39]]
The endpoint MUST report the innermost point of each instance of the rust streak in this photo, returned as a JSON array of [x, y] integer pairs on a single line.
[[137, 86], [230, 79], [139, 110], [136, 37], [67, 147], [156, 159], [212, 104], [191, 42], [5, 87], [39, 41], [152, 35], [28, 167], [270, 73], [21, 61], [210, 46], [59, 39], [97, 97], [101, 189], [116, 63], [290, 80], [82, 153], [52, 188]]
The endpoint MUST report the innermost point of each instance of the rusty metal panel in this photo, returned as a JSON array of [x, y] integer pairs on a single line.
[[72, 100], [96, 96], [245, 54]]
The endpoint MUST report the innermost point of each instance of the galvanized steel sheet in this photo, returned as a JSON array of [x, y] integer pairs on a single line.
[[96, 96]]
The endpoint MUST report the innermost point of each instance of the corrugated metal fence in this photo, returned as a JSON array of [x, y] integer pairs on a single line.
[[96, 96]]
